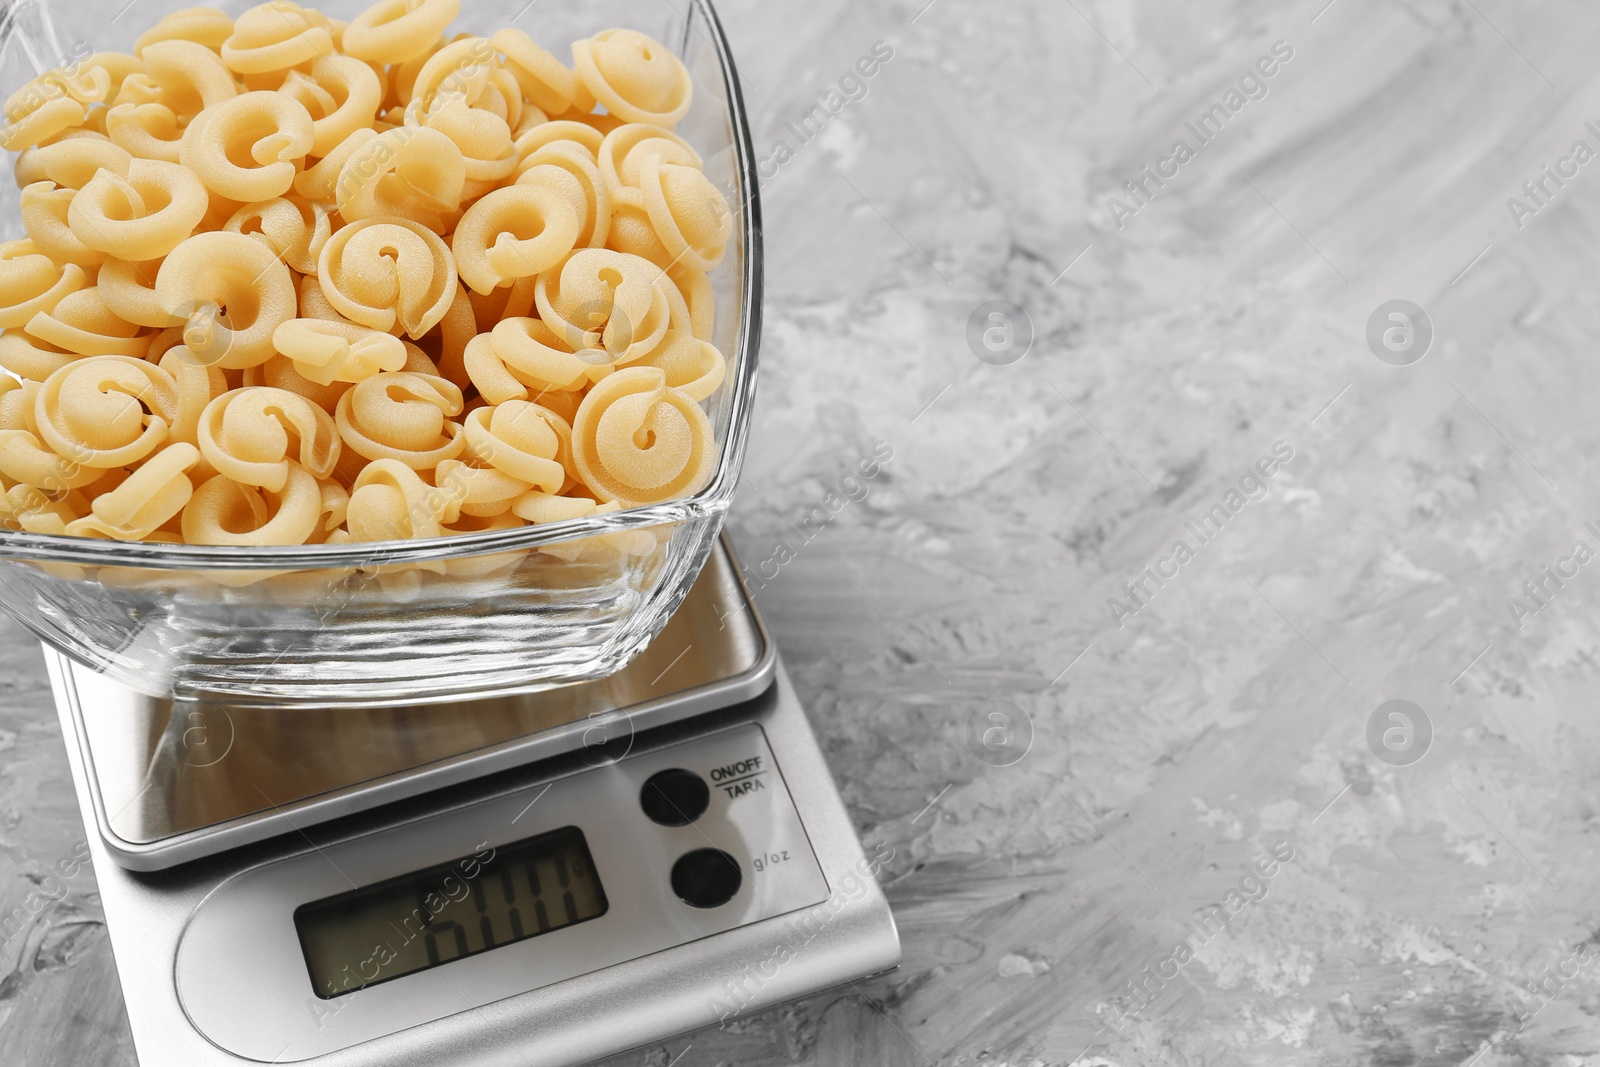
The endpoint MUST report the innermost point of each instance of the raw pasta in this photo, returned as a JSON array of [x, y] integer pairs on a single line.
[[145, 501], [203, 25], [225, 512], [231, 286], [325, 352], [387, 272], [638, 441], [105, 413], [634, 77], [393, 31], [295, 229], [608, 300], [276, 36], [341, 94], [249, 434], [31, 282], [140, 216], [407, 173], [293, 281], [272, 131], [402, 416], [514, 233]]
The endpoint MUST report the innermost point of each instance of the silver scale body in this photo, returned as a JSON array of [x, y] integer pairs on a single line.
[[199, 882]]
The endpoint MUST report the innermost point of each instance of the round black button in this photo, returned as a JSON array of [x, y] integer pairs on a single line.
[[706, 878], [675, 797]]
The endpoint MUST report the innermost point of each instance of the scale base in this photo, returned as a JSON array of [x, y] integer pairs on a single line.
[[702, 980]]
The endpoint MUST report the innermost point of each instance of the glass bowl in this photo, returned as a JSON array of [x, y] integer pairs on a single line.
[[403, 621]]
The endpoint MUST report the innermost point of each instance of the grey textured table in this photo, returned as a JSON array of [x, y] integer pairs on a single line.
[[1187, 722]]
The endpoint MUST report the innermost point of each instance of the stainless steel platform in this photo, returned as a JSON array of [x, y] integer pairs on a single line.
[[170, 782], [705, 979]]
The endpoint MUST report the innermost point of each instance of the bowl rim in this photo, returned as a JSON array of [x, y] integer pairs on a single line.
[[714, 498]]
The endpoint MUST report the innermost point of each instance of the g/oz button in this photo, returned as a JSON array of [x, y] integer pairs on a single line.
[[706, 878], [675, 797]]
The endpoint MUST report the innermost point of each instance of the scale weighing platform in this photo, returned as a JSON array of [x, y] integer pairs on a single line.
[[539, 880]]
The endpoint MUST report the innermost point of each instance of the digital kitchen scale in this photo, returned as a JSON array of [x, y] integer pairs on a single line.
[[534, 880]]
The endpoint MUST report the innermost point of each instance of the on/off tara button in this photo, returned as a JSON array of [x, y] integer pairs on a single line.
[[675, 797]]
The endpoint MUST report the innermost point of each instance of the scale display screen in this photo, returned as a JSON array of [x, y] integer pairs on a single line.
[[495, 897]]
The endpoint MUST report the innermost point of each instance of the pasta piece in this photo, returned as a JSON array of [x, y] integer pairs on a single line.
[[279, 373], [513, 233], [605, 300], [44, 217], [487, 151], [142, 216], [41, 124], [700, 299], [383, 272], [146, 500], [402, 416], [395, 31], [16, 404], [545, 80], [31, 282], [106, 411], [198, 385], [341, 94], [27, 509], [128, 289], [390, 502], [232, 287], [567, 168], [638, 79], [532, 117], [502, 98], [295, 229], [690, 216], [539, 507], [326, 352], [148, 131], [276, 36], [515, 301], [30, 359], [694, 366], [413, 174], [480, 492], [247, 148], [53, 103], [446, 344], [23, 457], [487, 565], [119, 66], [224, 512], [335, 506], [637, 441], [536, 137], [633, 233], [522, 354], [523, 441], [203, 25], [321, 180], [83, 325], [314, 302], [461, 68], [70, 164], [623, 153], [166, 341], [85, 82], [254, 435], [191, 77]]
